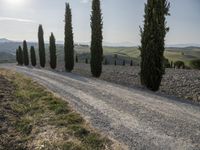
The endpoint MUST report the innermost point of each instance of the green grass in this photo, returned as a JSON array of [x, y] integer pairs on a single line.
[[38, 110]]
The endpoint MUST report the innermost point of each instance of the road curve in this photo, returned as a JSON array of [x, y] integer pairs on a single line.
[[139, 119]]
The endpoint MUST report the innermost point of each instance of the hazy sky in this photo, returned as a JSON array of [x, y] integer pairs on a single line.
[[19, 19]]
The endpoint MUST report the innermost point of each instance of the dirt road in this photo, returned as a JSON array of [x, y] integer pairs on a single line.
[[139, 119]]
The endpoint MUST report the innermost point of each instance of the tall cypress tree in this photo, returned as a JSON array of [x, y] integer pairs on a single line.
[[153, 43], [17, 56], [97, 38], [69, 42], [33, 56], [41, 46], [20, 53], [52, 51], [25, 53]]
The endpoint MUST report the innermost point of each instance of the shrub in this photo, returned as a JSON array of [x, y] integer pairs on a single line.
[[195, 64], [167, 63], [179, 64]]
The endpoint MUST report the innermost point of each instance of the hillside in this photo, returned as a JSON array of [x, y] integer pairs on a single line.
[[186, 54]]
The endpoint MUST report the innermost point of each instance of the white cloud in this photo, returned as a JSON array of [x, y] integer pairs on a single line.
[[16, 19]]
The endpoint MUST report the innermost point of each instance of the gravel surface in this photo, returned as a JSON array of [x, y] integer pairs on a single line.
[[137, 118], [180, 83]]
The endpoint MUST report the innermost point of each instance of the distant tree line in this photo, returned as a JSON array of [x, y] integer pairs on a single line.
[[152, 46]]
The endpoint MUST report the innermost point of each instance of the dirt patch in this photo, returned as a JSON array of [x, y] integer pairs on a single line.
[[9, 137]]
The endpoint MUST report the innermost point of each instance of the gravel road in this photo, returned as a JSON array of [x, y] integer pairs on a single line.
[[139, 119]]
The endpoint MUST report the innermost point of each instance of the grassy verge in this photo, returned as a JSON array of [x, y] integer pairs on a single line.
[[47, 122]]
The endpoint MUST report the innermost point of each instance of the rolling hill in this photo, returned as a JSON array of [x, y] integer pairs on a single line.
[[186, 54]]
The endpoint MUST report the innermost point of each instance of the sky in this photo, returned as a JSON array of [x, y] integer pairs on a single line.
[[19, 20]]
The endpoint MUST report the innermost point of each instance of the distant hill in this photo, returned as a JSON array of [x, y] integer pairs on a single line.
[[6, 57], [8, 50], [4, 40]]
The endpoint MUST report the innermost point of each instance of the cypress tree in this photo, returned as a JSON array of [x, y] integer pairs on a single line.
[[41, 46], [17, 56], [153, 43], [131, 63], [33, 56], [52, 50], [25, 54], [115, 63], [97, 37], [69, 41], [20, 54]]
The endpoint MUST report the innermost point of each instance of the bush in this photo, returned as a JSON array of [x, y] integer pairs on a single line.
[[179, 64], [167, 63], [195, 64]]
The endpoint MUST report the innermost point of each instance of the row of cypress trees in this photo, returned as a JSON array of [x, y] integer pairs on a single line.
[[22, 55], [96, 39], [96, 43], [152, 42]]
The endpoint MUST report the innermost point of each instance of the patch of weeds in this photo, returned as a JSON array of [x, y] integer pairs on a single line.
[[34, 94], [78, 131], [24, 126], [58, 107], [66, 119], [74, 118], [72, 146], [95, 141], [19, 108]]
